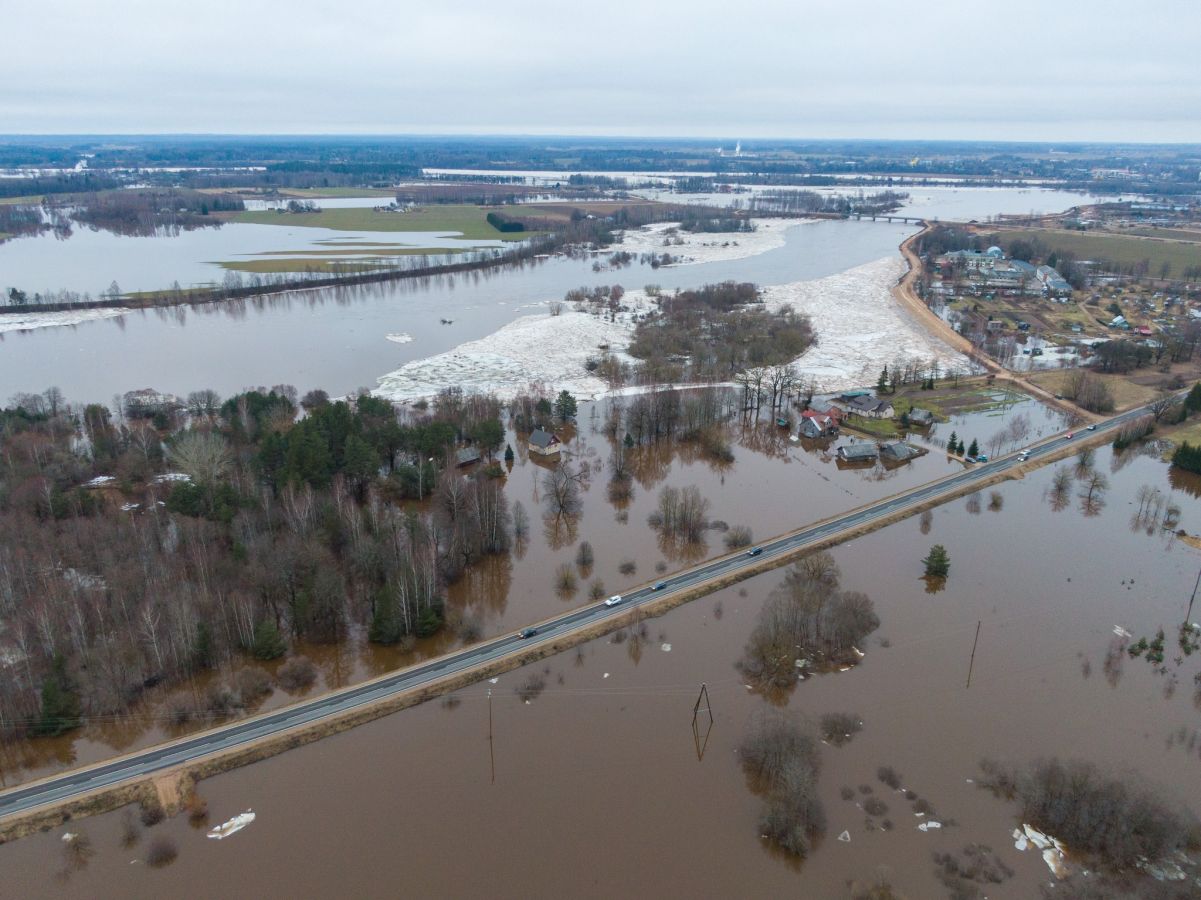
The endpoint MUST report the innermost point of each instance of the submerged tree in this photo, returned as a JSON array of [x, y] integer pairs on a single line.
[[938, 563]]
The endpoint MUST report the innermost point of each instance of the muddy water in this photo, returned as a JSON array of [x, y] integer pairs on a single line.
[[775, 485], [595, 787]]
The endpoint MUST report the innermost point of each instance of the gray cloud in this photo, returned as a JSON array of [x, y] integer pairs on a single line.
[[859, 68]]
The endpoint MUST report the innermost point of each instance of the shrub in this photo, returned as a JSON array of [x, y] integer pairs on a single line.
[[782, 763], [839, 728], [252, 684], [584, 557], [628, 567], [162, 852], [889, 776], [297, 674], [738, 536]]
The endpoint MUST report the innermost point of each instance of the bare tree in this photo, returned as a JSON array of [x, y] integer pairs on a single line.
[[202, 455]]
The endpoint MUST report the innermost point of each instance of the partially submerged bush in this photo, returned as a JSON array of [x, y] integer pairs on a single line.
[[1119, 822], [738, 536], [297, 674], [889, 776], [782, 763], [162, 852], [839, 728]]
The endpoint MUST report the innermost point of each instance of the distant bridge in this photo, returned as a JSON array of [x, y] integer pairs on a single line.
[[885, 217]]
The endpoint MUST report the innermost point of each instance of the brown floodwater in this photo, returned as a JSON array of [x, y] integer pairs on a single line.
[[599, 786], [774, 485]]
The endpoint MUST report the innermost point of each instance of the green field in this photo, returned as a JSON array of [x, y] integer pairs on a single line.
[[470, 221], [1119, 248], [312, 263], [1170, 234]]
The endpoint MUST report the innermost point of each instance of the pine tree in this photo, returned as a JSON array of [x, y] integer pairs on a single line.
[[938, 563], [508, 453], [882, 381], [959, 449], [565, 406], [953, 443], [1193, 401], [974, 449], [629, 441], [60, 700], [267, 643]]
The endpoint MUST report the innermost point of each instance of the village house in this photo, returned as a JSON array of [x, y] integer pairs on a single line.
[[544, 443], [858, 451], [816, 424], [897, 451], [921, 417], [467, 456], [869, 407]]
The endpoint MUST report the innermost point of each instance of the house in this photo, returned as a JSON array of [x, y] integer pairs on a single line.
[[922, 417], [816, 424], [1119, 322], [858, 451], [467, 456], [870, 407], [897, 451], [544, 443]]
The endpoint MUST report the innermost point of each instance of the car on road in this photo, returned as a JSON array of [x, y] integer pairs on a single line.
[[982, 457], [614, 600], [1023, 456], [1069, 435], [660, 585], [754, 551], [1092, 427], [528, 632]]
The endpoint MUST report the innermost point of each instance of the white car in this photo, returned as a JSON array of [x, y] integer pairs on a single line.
[[614, 600]]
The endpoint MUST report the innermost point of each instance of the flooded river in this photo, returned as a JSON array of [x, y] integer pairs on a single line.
[[599, 786], [337, 339]]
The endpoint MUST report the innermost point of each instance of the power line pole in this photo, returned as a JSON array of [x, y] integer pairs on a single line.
[[972, 664]]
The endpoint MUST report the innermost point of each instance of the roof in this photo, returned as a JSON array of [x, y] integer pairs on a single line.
[[897, 450], [543, 439], [467, 455], [1022, 266], [920, 415], [995, 252], [869, 404], [858, 450]]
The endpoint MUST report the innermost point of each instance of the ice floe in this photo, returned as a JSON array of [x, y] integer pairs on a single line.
[[709, 247], [27, 321], [233, 826], [400, 337]]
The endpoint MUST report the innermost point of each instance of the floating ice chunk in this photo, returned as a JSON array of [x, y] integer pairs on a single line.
[[69, 836], [1121, 632], [859, 652], [493, 680], [666, 648], [1020, 841], [606, 675], [233, 826], [1055, 862], [845, 837], [400, 337], [929, 826]]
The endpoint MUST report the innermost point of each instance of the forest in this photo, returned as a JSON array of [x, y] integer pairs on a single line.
[[143, 545]]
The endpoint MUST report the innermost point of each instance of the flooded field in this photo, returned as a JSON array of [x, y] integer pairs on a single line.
[[596, 764]]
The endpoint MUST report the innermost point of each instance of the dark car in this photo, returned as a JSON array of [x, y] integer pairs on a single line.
[[754, 551], [660, 585], [528, 632]]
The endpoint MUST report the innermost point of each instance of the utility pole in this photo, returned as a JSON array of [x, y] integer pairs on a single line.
[[972, 664], [696, 732], [491, 752]]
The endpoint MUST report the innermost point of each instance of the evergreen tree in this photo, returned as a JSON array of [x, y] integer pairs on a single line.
[[905, 420], [959, 449], [629, 441], [1187, 457], [60, 700], [882, 381], [565, 406], [953, 443], [267, 642], [508, 453], [1193, 401], [360, 461], [938, 563], [386, 626], [974, 449]]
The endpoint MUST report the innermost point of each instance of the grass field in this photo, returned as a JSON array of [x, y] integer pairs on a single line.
[[1126, 393], [310, 263], [469, 221], [1119, 248], [27, 199], [1172, 234]]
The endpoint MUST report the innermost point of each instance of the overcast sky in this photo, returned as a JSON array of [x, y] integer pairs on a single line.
[[1053, 70]]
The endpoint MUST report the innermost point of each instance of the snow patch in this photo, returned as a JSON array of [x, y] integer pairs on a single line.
[[709, 247], [400, 337], [31, 320]]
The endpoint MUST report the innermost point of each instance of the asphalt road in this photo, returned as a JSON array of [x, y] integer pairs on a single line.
[[157, 759]]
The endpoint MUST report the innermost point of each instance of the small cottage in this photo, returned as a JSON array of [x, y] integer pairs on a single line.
[[858, 451], [544, 443], [921, 417], [467, 456]]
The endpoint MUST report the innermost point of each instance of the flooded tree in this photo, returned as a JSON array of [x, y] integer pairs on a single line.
[[1059, 494], [807, 619], [1115, 820], [682, 513], [781, 763], [938, 562]]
